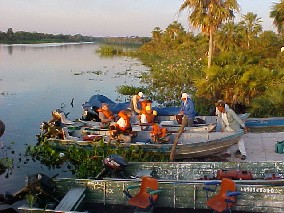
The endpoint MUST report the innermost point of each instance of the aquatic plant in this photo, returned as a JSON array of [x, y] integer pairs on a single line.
[[84, 162], [109, 50], [31, 199]]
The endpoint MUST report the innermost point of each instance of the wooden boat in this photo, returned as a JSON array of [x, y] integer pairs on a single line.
[[180, 186], [190, 145], [265, 122]]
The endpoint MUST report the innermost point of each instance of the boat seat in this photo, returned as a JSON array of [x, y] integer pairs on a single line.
[[226, 198], [147, 195], [71, 200]]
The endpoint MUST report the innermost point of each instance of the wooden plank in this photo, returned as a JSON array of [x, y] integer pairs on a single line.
[[71, 200]]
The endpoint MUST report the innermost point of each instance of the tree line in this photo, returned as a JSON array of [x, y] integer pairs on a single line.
[[23, 37], [247, 70]]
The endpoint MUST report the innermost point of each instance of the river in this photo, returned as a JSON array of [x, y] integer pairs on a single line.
[[38, 78]]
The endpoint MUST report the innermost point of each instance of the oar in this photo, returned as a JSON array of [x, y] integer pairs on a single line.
[[180, 131]]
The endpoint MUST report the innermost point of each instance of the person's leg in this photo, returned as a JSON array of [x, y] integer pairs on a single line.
[[189, 122], [242, 147]]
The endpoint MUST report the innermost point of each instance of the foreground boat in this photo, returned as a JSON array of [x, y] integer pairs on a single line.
[[182, 186], [190, 145]]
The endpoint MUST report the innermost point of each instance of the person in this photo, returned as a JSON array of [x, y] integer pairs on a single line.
[[105, 115], [231, 122], [159, 133], [59, 115], [134, 103], [187, 110], [219, 117], [122, 130], [147, 115]]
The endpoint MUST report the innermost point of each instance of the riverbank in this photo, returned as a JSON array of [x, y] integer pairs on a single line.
[[259, 147]]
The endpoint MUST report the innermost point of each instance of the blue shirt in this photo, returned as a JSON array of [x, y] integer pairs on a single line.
[[188, 108]]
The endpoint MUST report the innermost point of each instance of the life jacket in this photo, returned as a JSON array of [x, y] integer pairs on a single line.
[[122, 114], [143, 105], [149, 117], [107, 113], [159, 132]]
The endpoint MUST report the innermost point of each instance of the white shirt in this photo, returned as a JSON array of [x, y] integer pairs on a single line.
[[225, 120], [143, 119], [121, 122]]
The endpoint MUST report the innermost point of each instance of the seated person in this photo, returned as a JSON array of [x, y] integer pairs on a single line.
[[105, 115], [147, 116], [59, 115], [158, 133], [122, 130]]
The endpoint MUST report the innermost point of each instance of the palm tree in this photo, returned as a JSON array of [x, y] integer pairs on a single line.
[[209, 15], [251, 27], [277, 14], [174, 30], [157, 34], [227, 39]]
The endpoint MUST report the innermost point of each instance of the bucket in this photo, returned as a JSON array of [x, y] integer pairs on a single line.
[[279, 147]]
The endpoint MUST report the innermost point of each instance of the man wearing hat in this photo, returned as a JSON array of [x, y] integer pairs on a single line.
[[134, 103], [231, 122], [187, 110]]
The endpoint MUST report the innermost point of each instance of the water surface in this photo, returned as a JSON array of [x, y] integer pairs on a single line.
[[36, 79]]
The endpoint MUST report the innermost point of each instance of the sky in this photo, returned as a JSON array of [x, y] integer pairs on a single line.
[[107, 17]]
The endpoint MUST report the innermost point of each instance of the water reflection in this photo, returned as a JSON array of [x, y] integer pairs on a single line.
[[39, 78]]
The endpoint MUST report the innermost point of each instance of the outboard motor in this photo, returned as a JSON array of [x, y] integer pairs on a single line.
[[114, 166], [90, 113], [38, 185]]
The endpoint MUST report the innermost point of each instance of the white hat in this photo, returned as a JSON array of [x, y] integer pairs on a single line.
[[140, 94], [184, 95]]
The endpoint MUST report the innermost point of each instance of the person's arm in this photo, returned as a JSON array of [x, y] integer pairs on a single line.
[[237, 118], [135, 104], [189, 107], [103, 118]]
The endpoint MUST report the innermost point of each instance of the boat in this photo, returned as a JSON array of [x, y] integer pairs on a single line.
[[164, 113], [189, 145], [265, 122], [182, 186]]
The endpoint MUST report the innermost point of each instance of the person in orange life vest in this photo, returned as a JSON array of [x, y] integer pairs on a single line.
[[147, 115], [122, 129], [158, 132], [105, 115]]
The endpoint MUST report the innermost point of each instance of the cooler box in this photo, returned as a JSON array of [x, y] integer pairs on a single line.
[[279, 147]]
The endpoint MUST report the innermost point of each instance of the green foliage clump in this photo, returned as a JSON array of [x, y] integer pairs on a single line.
[[109, 50], [85, 162], [246, 70]]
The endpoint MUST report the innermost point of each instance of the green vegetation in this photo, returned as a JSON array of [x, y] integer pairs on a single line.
[[209, 15], [22, 37], [85, 162], [247, 70], [109, 50]]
